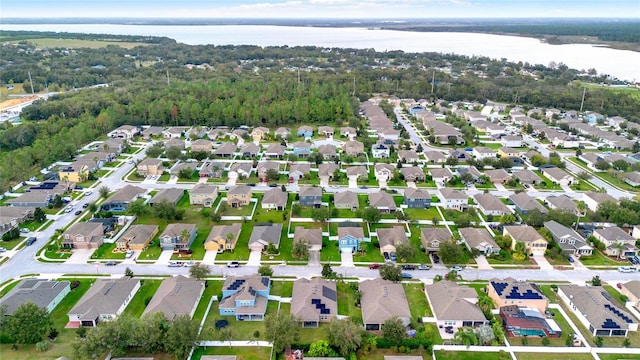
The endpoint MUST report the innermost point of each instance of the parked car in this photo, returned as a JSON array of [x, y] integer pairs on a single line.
[[233, 264], [111, 263], [408, 267], [251, 184], [456, 268], [68, 210], [392, 256], [174, 264], [24, 231], [424, 267], [374, 266], [363, 187], [84, 206], [619, 285], [386, 255], [78, 212], [626, 269], [31, 240], [2, 249], [570, 259], [129, 254], [406, 275], [273, 185]]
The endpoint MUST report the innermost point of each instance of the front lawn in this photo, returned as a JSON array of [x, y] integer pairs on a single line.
[[241, 251], [240, 330], [553, 356], [106, 251], [598, 258]]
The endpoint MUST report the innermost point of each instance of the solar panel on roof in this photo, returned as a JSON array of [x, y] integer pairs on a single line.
[[329, 293], [618, 313], [265, 281], [325, 311], [315, 301], [252, 291], [499, 287], [610, 324]]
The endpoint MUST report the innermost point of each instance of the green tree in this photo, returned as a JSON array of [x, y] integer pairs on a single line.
[[452, 161], [370, 215], [595, 281], [320, 348], [520, 251], [185, 173], [154, 150], [154, 327], [327, 272], [128, 272], [344, 336], [167, 211], [93, 208], [465, 336], [181, 336], [265, 270], [29, 324], [485, 334], [390, 272], [507, 219], [320, 214], [485, 303], [300, 250], [535, 218], [57, 201], [39, 215], [405, 252], [173, 153], [602, 165], [296, 209], [199, 271], [282, 330], [620, 165], [394, 330], [463, 221], [450, 252], [273, 175], [137, 208], [104, 191]]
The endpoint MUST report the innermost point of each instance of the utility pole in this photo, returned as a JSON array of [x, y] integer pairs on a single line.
[[582, 102], [31, 82]]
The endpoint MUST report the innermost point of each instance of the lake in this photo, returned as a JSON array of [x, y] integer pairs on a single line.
[[622, 64]]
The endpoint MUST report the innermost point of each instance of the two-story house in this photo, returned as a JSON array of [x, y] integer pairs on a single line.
[[535, 244], [310, 196], [150, 166], [223, 237], [137, 237], [245, 297], [178, 236], [203, 194], [416, 198], [350, 236], [431, 238], [618, 242], [83, 235], [568, 239], [453, 199], [239, 196]]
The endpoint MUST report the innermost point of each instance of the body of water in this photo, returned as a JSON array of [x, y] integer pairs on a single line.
[[622, 64]]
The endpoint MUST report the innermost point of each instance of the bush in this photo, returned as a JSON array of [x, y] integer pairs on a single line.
[[74, 284], [42, 346]]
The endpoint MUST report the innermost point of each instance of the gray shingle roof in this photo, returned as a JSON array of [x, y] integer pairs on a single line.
[[36, 291]]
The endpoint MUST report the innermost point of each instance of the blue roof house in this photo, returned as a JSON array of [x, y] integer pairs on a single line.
[[245, 297]]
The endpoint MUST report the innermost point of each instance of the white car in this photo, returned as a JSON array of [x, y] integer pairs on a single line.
[[626, 269], [88, 193]]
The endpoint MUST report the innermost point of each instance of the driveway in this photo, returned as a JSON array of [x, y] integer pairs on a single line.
[[165, 257], [567, 188], [314, 258], [80, 256], [209, 257], [346, 259], [254, 258], [542, 262], [411, 184], [482, 262], [353, 184]]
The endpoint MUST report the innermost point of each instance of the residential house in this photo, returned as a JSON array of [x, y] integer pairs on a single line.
[[83, 235], [535, 244], [191, 166], [225, 150], [390, 239], [408, 156], [250, 150], [174, 143], [314, 301], [328, 151], [137, 237], [203, 194], [201, 145], [125, 132], [282, 132], [490, 205], [240, 170], [441, 175], [212, 169], [302, 149], [590, 159], [618, 242], [11, 216], [239, 196], [597, 312], [274, 151], [238, 134], [381, 300], [508, 292], [178, 236], [310, 196], [121, 199], [264, 166], [223, 237], [435, 157], [150, 166], [508, 152], [42, 293], [114, 146], [298, 170], [380, 151], [350, 236], [310, 237], [453, 199], [245, 297], [498, 176], [384, 172], [173, 132], [170, 195], [78, 171], [176, 296], [431, 238], [568, 239], [524, 203], [527, 176], [593, 199], [348, 132], [530, 154], [346, 200], [389, 133], [417, 198], [631, 289], [275, 199], [459, 154], [442, 132], [454, 306], [383, 201], [326, 171], [512, 141], [305, 131], [559, 176], [40, 199], [412, 174], [259, 133], [632, 178], [482, 152], [479, 239], [327, 131], [353, 148], [263, 235], [562, 202], [105, 300], [592, 117], [472, 170], [357, 172], [151, 131]]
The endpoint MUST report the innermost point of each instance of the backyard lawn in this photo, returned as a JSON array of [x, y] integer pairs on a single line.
[[241, 330], [248, 352], [282, 288], [460, 355], [140, 299], [346, 302], [418, 300], [553, 356]]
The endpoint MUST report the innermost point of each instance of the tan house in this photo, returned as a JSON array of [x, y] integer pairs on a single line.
[[326, 171], [239, 196], [125, 132], [259, 133], [617, 241], [223, 237], [171, 196], [326, 131], [431, 238], [381, 300], [357, 172], [265, 166], [383, 201], [314, 301], [346, 200], [535, 243], [86, 235], [203, 194], [508, 152], [201, 145], [311, 237], [176, 296], [225, 150], [328, 151], [408, 156], [137, 237], [454, 305], [498, 176], [76, 172], [509, 292], [631, 289], [559, 176], [390, 238], [150, 166], [275, 199], [353, 148], [479, 239]]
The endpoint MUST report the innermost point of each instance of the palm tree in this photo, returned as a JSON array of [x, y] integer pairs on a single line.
[[582, 207], [229, 238], [465, 336], [486, 304], [619, 247]]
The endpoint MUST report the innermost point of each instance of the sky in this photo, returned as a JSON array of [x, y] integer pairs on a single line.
[[381, 9]]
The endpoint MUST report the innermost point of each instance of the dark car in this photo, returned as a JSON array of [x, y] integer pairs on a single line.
[[386, 255], [31, 240], [406, 275], [374, 266], [251, 184], [273, 185], [111, 263], [84, 206], [408, 267], [233, 264], [78, 212]]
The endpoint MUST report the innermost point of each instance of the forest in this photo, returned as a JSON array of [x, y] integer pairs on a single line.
[[249, 85]]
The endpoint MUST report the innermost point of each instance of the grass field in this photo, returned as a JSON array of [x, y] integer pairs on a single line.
[[553, 356], [78, 43], [458, 355], [137, 305], [248, 353]]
